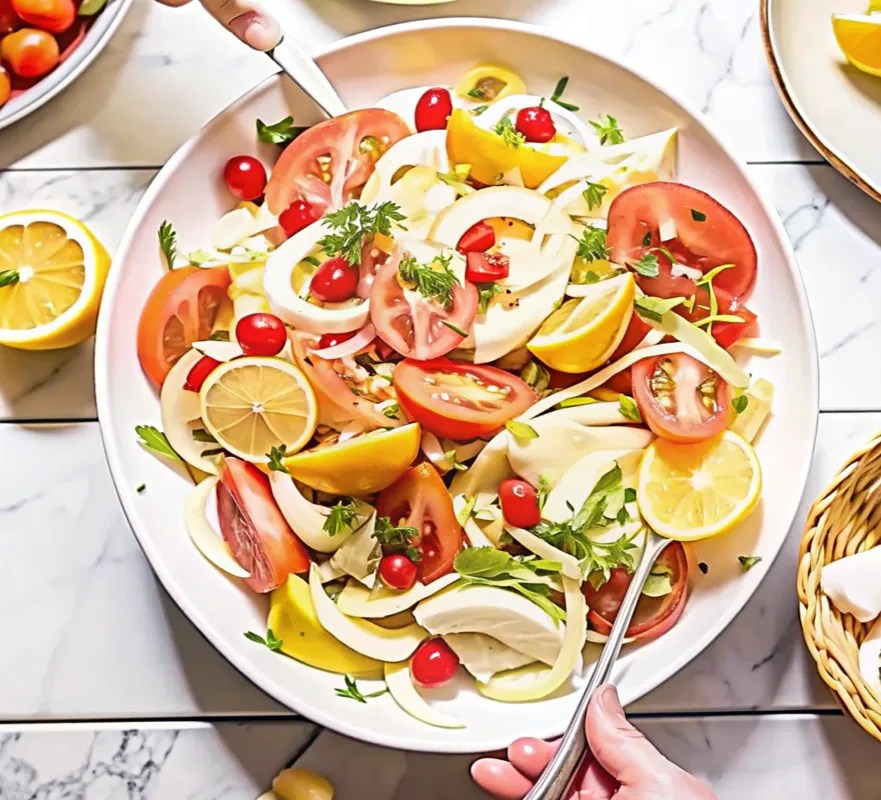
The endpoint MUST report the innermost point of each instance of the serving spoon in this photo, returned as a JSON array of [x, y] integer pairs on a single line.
[[257, 28], [557, 776]]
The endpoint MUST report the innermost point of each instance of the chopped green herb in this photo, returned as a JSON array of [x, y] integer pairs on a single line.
[[594, 193], [577, 401], [707, 280], [392, 411], [521, 430], [311, 261], [282, 132], [629, 495], [450, 455], [558, 92], [486, 292], [342, 516], [201, 435], [8, 277], [592, 244], [434, 280], [276, 458], [647, 266], [748, 562], [654, 308], [476, 93], [647, 239], [271, 641], [219, 336], [542, 491], [141, 488], [698, 216], [168, 243], [536, 375], [154, 439], [352, 692], [608, 130], [454, 328], [396, 538], [200, 257], [628, 408], [353, 223], [216, 451], [740, 403], [510, 135], [455, 180], [478, 110]]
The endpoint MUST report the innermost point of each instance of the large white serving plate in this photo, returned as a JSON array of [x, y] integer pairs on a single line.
[[189, 193]]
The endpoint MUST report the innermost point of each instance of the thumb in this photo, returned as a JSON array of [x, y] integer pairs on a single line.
[[248, 20]]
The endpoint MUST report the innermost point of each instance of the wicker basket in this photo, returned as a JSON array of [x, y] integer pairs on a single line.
[[844, 520]]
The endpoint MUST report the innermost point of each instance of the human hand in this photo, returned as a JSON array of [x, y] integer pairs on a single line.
[[248, 20], [621, 763]]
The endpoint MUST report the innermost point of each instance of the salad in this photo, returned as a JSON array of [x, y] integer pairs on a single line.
[[440, 370]]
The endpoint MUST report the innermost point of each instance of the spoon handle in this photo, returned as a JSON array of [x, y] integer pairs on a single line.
[[558, 775]]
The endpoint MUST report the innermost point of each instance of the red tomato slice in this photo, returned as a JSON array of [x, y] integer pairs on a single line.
[[252, 525], [680, 398], [457, 400], [420, 500], [416, 326], [654, 616], [180, 310], [298, 175], [636, 332], [709, 231]]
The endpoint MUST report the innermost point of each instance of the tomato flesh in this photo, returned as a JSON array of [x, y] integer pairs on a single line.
[[536, 124], [397, 571], [519, 501], [335, 281], [477, 239], [484, 268], [433, 110], [261, 334], [199, 371], [457, 400], [296, 216], [433, 664], [333, 339]]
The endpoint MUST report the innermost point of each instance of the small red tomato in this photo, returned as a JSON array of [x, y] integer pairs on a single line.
[[30, 53], [519, 501], [433, 664], [297, 216], [261, 334], [245, 177], [433, 110], [536, 124], [334, 281], [477, 239], [397, 571], [9, 20], [333, 339], [55, 16], [198, 372], [483, 268]]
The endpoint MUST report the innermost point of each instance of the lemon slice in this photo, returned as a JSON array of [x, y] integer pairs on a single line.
[[694, 491], [584, 332], [251, 405], [52, 273], [859, 37]]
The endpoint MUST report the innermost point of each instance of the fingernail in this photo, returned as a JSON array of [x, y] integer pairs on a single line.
[[608, 701], [252, 31]]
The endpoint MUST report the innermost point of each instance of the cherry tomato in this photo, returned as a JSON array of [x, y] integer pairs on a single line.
[[654, 616], [459, 400], [705, 228], [334, 281], [199, 371], [477, 239], [519, 501], [9, 20], [55, 16], [245, 177], [353, 142], [333, 339], [680, 398], [635, 333], [433, 664], [415, 326], [419, 499], [397, 571], [5, 86], [433, 110], [180, 310], [296, 216], [30, 53], [253, 526], [261, 334], [484, 268], [536, 124]]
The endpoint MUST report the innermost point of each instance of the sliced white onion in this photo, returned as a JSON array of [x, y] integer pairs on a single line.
[[428, 149], [233, 228], [667, 229], [219, 351], [683, 271], [543, 550], [349, 347], [400, 685], [207, 541]]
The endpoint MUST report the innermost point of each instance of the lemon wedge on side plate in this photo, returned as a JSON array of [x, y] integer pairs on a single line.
[[694, 491], [859, 37], [251, 405], [584, 332], [52, 273]]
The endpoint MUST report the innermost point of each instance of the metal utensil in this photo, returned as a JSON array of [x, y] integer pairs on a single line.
[[558, 774], [258, 29]]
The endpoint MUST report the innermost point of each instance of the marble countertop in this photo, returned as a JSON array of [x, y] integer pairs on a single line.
[[109, 699]]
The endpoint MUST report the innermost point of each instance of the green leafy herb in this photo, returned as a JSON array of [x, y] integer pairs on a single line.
[[311, 261], [659, 582], [342, 516], [215, 451], [477, 93], [352, 692], [713, 309], [629, 495], [392, 411], [353, 223], [478, 110], [748, 562], [465, 512], [698, 216], [521, 430], [608, 131], [628, 408], [200, 257], [740, 403], [577, 401], [282, 132], [8, 277], [168, 243], [219, 336], [276, 458], [654, 308], [542, 491], [594, 194], [647, 239], [486, 292], [141, 488], [434, 280], [201, 435], [558, 92], [648, 265], [510, 135], [271, 641], [154, 439], [454, 328], [450, 455], [592, 244], [396, 538], [536, 375]]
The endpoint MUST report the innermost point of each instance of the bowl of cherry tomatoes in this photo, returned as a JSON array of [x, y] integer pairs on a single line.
[[46, 44]]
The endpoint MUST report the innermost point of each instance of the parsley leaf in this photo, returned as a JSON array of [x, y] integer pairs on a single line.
[[454, 328], [558, 92], [392, 411], [740, 403], [342, 516], [521, 430], [478, 110], [282, 132], [542, 492], [592, 244], [654, 308], [276, 456], [352, 692], [748, 562], [628, 408], [486, 292], [510, 135], [154, 439], [168, 243], [698, 216], [8, 277], [477, 94], [608, 130], [648, 265], [141, 488], [594, 193], [271, 641], [647, 239], [434, 280], [396, 538], [353, 223]]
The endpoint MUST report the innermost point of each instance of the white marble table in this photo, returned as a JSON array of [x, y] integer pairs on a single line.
[[108, 692]]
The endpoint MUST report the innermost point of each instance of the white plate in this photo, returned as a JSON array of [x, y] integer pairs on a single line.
[[189, 193], [836, 106]]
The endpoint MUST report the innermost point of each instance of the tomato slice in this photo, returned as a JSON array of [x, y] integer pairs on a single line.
[[420, 500], [252, 525], [680, 398], [180, 310], [416, 326], [654, 616], [326, 165], [457, 400], [704, 227]]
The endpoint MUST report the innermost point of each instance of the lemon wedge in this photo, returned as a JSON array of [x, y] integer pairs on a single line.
[[584, 332], [693, 491], [859, 37], [358, 466], [251, 405], [52, 273]]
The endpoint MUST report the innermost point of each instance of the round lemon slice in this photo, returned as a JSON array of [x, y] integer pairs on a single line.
[[251, 405], [52, 273], [859, 37], [584, 332], [694, 491]]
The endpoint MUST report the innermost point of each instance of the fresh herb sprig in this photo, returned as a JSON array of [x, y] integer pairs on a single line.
[[282, 132], [154, 439], [592, 244], [558, 93], [271, 641], [485, 293], [647, 266], [628, 408], [510, 135], [276, 459], [168, 243], [608, 130], [396, 538], [434, 280], [748, 562], [352, 692], [342, 516], [594, 193], [353, 223]]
